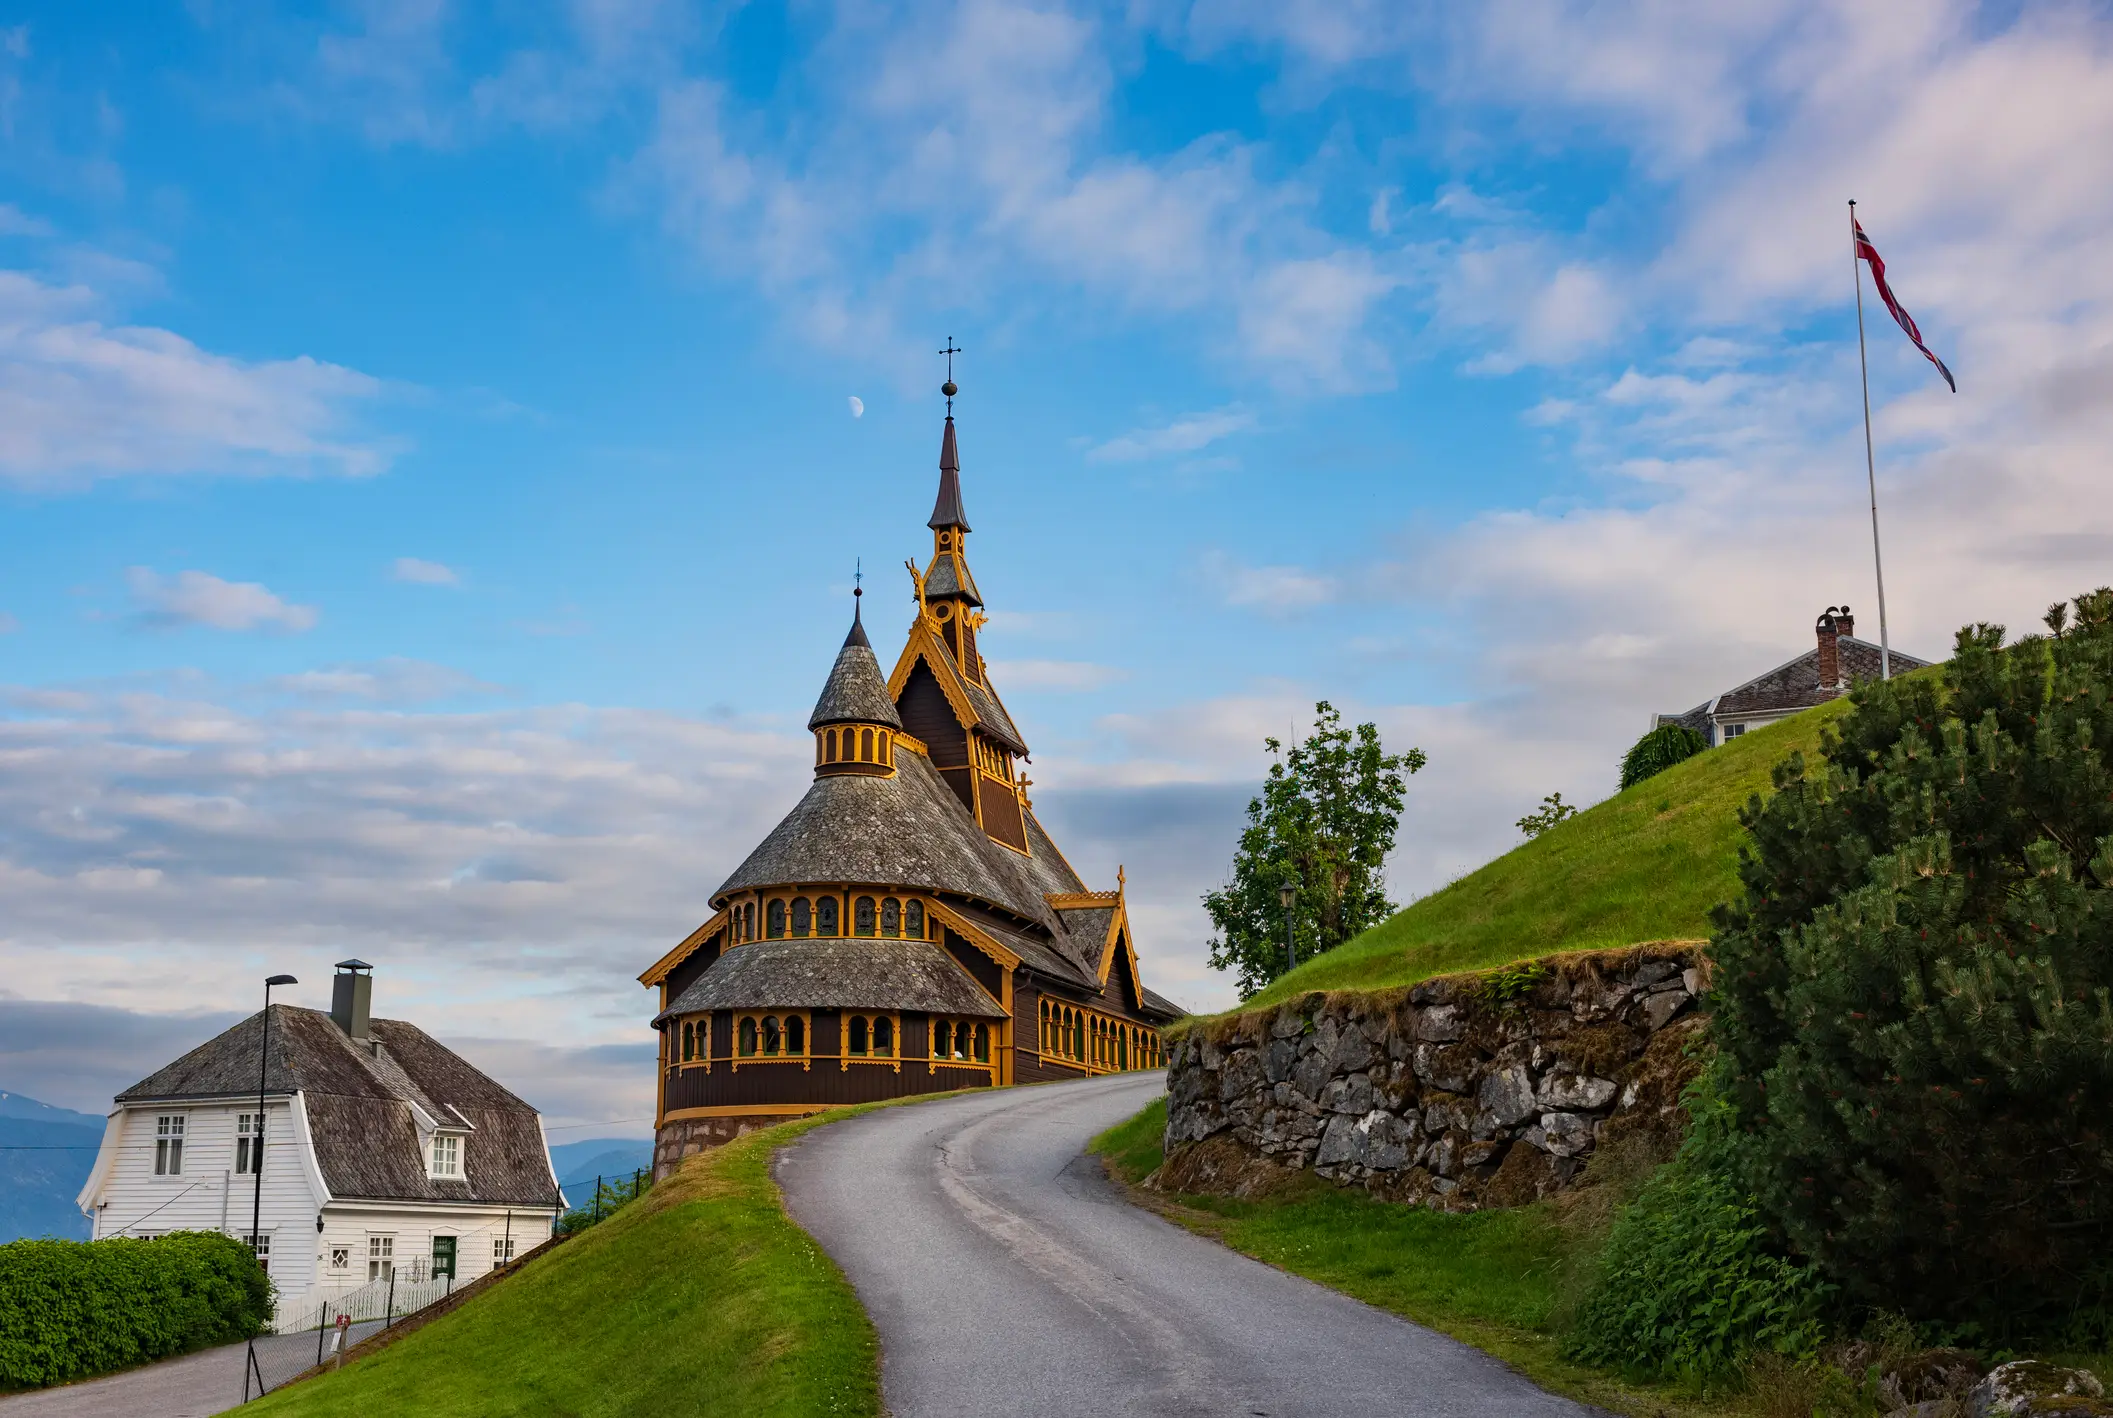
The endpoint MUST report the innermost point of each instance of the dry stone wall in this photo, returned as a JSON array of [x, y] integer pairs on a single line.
[[1460, 1092]]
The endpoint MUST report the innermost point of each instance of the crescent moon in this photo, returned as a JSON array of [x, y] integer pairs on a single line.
[[858, 407]]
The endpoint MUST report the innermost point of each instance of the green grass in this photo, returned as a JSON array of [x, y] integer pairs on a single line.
[[700, 1297], [1501, 1280], [1646, 864]]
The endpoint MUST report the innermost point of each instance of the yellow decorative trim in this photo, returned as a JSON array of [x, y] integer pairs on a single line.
[[996, 950], [661, 968], [736, 1110], [1080, 900]]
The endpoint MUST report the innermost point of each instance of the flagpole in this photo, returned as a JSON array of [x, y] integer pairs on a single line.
[[1863, 363]]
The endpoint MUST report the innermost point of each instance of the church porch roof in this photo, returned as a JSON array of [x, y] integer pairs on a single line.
[[836, 973]]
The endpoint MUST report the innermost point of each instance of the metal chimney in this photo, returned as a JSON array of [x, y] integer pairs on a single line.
[[352, 997]]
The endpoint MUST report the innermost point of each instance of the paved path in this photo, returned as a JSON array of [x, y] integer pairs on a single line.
[[1007, 1275], [209, 1381]]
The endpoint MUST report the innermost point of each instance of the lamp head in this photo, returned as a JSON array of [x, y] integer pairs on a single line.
[[1288, 892], [282, 980]]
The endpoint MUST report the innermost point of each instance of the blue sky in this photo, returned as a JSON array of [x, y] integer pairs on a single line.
[[429, 490]]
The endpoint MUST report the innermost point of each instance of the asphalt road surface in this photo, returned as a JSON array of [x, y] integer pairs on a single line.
[[1007, 1275], [209, 1381]]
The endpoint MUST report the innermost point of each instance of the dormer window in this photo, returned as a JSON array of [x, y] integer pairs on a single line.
[[444, 1157]]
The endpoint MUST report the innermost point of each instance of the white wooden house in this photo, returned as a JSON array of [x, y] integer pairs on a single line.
[[384, 1153], [1837, 660]]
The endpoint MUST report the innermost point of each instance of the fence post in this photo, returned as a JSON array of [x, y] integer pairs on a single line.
[[321, 1316], [390, 1318], [597, 1196]]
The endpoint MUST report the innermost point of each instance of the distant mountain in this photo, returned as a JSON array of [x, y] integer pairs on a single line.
[[612, 1158], [45, 1157]]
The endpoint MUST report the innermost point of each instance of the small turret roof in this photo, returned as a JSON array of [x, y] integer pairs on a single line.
[[857, 692], [946, 510]]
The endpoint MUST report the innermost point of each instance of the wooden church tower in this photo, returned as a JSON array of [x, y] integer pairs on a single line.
[[909, 927]]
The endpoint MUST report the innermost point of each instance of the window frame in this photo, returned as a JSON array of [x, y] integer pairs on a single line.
[[381, 1254], [456, 1150], [249, 1144], [754, 1021], [170, 1130], [873, 1021]]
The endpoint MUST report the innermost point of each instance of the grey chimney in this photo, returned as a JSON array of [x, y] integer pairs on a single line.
[[351, 997]]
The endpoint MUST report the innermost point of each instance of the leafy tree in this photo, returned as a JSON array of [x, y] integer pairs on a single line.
[[1659, 750], [1914, 1000], [1326, 817], [1553, 810]]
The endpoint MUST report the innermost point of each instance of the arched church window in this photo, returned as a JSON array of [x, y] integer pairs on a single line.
[[891, 917], [825, 916], [795, 1034], [964, 1042], [887, 748], [773, 1037], [802, 916], [865, 745], [830, 739], [748, 921], [747, 1045], [774, 920], [913, 920], [856, 1043], [1078, 1036], [982, 1043], [1122, 1050], [686, 1041], [862, 916], [884, 1037]]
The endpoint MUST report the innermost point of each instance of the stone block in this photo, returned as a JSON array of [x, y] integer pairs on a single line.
[[1289, 1024], [1660, 1009], [1576, 1092], [1440, 1024], [1348, 1095], [1450, 1068], [1342, 1142], [1278, 1062], [1507, 1093], [1310, 1075], [1352, 1051], [1565, 1134], [1241, 1076]]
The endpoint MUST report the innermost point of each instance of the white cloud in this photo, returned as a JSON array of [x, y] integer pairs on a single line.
[[1055, 676], [392, 681], [423, 573], [80, 399], [199, 598], [1188, 434], [1274, 590]]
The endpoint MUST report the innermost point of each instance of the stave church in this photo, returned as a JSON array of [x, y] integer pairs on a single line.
[[909, 927]]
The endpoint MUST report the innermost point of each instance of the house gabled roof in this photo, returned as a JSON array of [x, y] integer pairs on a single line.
[[364, 1105], [1795, 684]]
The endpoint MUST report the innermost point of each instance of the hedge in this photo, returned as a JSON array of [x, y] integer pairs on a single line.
[[71, 1309]]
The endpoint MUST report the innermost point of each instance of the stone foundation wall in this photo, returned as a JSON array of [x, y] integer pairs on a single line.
[[1460, 1092], [686, 1137]]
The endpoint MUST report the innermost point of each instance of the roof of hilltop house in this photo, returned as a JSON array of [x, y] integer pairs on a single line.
[[1837, 661], [369, 1104]]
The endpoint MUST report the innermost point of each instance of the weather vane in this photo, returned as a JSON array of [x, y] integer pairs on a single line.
[[950, 389], [858, 577]]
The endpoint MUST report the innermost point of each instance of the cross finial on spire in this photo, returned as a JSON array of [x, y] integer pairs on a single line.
[[950, 389]]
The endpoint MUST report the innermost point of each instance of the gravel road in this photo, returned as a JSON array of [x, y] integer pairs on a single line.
[[1007, 1275]]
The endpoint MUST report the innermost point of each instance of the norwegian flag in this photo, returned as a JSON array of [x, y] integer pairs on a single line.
[[1869, 253]]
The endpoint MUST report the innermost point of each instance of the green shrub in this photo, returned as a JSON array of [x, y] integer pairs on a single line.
[[69, 1309], [1659, 750], [1914, 1000], [1688, 1283]]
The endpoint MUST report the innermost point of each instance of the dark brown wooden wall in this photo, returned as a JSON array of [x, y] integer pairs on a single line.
[[1001, 815], [986, 971], [927, 715], [684, 975]]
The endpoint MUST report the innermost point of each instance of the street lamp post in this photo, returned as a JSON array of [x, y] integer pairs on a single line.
[[256, 1162], [1288, 894]]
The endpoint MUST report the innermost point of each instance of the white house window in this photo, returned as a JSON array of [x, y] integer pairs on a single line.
[[1732, 731], [168, 1145], [341, 1257], [502, 1250], [260, 1243], [381, 1257], [445, 1159], [249, 1143]]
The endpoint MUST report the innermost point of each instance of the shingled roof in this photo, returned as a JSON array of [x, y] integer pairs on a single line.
[[904, 830], [360, 1102], [835, 974], [856, 691], [1796, 685]]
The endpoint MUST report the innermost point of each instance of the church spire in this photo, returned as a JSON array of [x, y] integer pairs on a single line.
[[855, 719], [946, 509]]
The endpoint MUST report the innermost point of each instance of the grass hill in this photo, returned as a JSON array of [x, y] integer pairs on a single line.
[[701, 1297], [1646, 864]]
